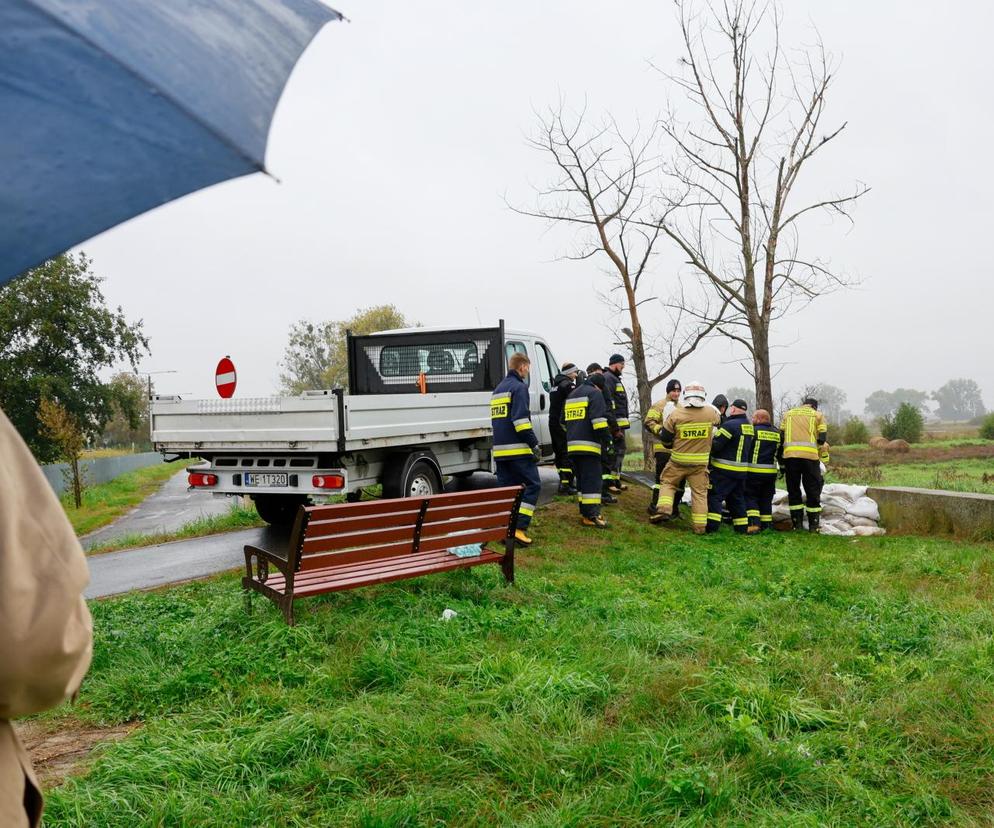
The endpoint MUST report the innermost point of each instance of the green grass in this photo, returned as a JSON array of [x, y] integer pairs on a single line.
[[239, 517], [951, 475], [640, 676], [106, 502]]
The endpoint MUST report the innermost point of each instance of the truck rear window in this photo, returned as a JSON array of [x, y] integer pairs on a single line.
[[432, 360]]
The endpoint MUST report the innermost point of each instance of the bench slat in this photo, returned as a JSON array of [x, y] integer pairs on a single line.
[[451, 527], [495, 507], [376, 537], [413, 570], [344, 511], [404, 562]]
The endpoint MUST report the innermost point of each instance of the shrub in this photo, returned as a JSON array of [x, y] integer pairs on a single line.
[[855, 432], [834, 435], [906, 424], [987, 427]]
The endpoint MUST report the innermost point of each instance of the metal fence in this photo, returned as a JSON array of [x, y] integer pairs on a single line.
[[100, 469]]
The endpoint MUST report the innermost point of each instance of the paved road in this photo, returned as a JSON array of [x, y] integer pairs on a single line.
[[165, 511], [152, 566]]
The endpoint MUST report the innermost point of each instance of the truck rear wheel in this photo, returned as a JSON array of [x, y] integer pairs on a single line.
[[278, 510], [421, 480]]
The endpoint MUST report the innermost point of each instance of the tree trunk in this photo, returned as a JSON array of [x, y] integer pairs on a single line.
[[77, 487], [761, 368]]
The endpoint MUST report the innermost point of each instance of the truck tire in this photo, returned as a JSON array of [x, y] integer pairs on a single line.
[[278, 510], [421, 480]]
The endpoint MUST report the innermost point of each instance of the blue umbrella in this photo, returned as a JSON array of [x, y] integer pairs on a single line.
[[111, 107]]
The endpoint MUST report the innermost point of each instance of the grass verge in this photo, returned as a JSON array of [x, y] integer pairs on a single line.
[[240, 517], [106, 502], [640, 676]]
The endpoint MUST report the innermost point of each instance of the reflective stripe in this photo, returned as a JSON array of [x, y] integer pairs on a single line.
[[655, 486], [590, 499], [714, 516], [812, 508], [583, 446], [599, 424], [565, 471], [499, 397], [723, 431], [798, 506], [666, 501], [734, 466], [695, 518], [766, 518], [688, 458], [522, 425], [762, 468], [740, 521], [658, 447], [607, 477], [624, 423], [511, 449], [526, 509], [752, 512], [800, 445]]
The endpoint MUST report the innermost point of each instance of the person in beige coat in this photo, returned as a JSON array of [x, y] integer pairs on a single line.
[[45, 628]]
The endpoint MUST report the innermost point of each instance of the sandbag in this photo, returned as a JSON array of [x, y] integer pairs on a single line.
[[855, 521], [829, 528], [868, 531], [865, 507], [843, 490]]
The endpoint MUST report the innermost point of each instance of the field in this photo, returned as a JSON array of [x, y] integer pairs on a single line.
[[639, 676], [951, 465]]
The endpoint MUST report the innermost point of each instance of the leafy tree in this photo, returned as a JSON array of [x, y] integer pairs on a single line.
[[906, 424], [959, 399], [987, 427], [128, 424], [56, 335], [59, 426], [855, 432], [316, 357], [885, 403], [831, 400], [737, 392]]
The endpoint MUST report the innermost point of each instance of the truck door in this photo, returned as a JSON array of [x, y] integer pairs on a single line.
[[538, 384]]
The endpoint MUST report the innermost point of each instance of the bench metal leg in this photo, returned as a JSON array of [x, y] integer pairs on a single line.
[[507, 562], [286, 605]]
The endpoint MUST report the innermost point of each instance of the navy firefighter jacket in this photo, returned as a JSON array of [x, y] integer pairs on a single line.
[[585, 413], [510, 416], [613, 383], [764, 450], [731, 449]]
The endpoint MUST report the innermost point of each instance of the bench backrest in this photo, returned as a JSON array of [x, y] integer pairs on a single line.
[[350, 533]]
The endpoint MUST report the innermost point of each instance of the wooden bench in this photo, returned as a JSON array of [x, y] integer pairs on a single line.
[[351, 545]]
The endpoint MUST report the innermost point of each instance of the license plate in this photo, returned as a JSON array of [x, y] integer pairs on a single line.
[[266, 480]]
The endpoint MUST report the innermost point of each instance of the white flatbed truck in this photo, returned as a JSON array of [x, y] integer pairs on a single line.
[[417, 412]]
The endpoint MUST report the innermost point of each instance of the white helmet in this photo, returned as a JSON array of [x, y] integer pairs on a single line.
[[694, 394]]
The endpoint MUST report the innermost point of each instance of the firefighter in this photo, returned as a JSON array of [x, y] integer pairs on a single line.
[[720, 402], [615, 367], [562, 387], [587, 437], [761, 479], [731, 453], [803, 432], [687, 432], [607, 456], [653, 423], [516, 451]]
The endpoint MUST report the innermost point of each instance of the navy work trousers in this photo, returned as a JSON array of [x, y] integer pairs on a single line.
[[521, 471], [728, 488]]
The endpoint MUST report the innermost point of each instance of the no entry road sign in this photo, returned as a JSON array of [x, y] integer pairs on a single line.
[[225, 378]]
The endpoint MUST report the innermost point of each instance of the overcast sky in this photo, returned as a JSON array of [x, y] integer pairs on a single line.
[[401, 131]]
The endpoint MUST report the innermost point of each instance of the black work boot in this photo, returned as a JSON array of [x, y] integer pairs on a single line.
[[607, 497], [797, 519], [814, 521]]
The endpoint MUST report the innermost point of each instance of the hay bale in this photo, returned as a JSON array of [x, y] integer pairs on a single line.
[[879, 442], [898, 446]]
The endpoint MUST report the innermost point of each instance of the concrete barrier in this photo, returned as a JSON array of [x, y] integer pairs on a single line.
[[930, 511], [101, 469]]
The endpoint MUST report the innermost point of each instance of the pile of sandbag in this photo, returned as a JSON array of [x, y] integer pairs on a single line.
[[845, 510]]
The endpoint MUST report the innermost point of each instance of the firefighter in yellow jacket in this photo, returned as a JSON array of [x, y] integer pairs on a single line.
[[45, 644], [803, 433], [653, 423], [688, 432]]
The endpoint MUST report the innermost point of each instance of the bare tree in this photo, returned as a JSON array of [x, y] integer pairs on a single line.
[[606, 185], [735, 210]]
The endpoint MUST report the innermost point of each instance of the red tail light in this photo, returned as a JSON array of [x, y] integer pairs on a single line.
[[200, 479], [328, 481]]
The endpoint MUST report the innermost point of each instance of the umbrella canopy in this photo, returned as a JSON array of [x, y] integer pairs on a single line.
[[112, 107]]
